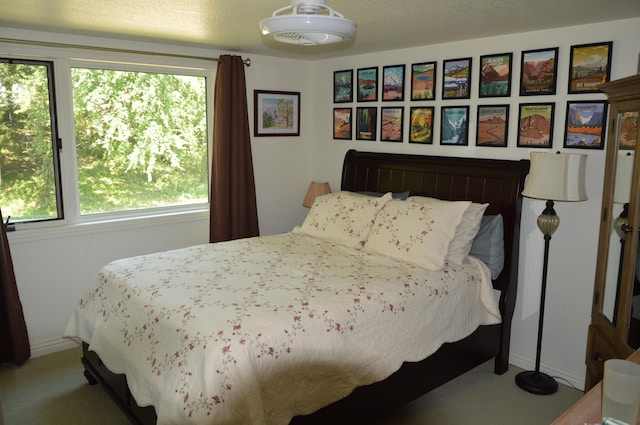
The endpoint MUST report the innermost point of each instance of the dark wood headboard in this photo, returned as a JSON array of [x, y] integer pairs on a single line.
[[494, 181]]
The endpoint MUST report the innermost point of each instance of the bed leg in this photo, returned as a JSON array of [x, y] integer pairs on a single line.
[[92, 379]]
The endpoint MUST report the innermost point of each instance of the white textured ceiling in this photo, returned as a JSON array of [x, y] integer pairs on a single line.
[[233, 24]]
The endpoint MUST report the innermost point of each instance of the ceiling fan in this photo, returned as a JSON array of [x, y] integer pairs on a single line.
[[308, 22]]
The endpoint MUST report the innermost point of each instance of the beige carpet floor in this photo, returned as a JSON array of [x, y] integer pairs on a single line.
[[52, 390]]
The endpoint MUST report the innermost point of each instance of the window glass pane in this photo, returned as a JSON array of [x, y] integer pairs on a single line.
[[28, 162], [141, 139]]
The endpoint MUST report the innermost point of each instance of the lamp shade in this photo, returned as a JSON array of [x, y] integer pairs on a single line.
[[315, 189], [622, 188], [556, 177]]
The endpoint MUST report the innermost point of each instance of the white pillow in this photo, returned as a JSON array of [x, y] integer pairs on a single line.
[[343, 217], [416, 233], [466, 230]]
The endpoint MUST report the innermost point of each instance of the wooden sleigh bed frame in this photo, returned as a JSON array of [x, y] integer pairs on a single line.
[[497, 182]]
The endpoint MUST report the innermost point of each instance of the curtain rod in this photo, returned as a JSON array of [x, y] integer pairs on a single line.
[[246, 61]]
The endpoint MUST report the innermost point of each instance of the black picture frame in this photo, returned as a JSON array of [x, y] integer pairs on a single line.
[[421, 124], [342, 128], [367, 84], [456, 78], [454, 125], [366, 123], [343, 86], [495, 75], [393, 83], [585, 124], [492, 125], [424, 80], [391, 123], [535, 125], [589, 67], [539, 72], [276, 113]]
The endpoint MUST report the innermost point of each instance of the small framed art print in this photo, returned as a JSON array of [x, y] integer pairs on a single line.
[[495, 75], [276, 113], [367, 84], [393, 82]]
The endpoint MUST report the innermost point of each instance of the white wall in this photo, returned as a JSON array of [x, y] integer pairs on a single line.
[[55, 266], [574, 245]]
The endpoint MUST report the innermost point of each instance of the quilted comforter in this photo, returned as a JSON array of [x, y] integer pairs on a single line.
[[256, 331]]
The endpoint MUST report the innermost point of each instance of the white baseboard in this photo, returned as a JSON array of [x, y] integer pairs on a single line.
[[42, 348], [528, 364]]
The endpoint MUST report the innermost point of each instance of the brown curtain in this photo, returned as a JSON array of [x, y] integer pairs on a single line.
[[14, 340], [234, 213]]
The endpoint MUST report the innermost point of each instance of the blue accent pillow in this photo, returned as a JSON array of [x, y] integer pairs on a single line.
[[397, 195], [488, 245]]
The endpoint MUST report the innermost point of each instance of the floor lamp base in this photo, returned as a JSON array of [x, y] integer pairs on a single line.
[[536, 382]]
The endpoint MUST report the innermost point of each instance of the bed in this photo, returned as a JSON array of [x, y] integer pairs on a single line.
[[301, 363]]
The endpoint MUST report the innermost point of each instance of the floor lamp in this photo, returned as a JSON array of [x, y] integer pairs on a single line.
[[552, 177]]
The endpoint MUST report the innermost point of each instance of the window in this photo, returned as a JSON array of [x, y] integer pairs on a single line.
[[29, 161], [139, 138]]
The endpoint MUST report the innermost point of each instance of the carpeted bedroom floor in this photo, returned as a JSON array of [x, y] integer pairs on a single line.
[[52, 390]]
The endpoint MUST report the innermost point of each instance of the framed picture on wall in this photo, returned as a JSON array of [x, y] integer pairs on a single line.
[[456, 78], [495, 75], [391, 123], [538, 72], [423, 81], [276, 113], [421, 125], [343, 86], [367, 84], [535, 125], [366, 121], [589, 66], [492, 125], [342, 123], [393, 82], [585, 123], [454, 125]]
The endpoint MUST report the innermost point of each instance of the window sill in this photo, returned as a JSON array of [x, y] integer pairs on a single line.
[[55, 230]]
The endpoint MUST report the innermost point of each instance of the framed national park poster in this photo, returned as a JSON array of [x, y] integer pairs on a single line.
[[423, 81], [367, 84], [421, 125], [343, 86], [492, 125], [585, 123], [495, 75], [535, 125], [391, 123], [393, 82], [456, 78], [538, 72], [342, 123], [590, 66], [366, 123], [454, 125]]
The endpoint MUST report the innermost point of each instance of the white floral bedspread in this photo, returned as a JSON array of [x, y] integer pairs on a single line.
[[256, 331]]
